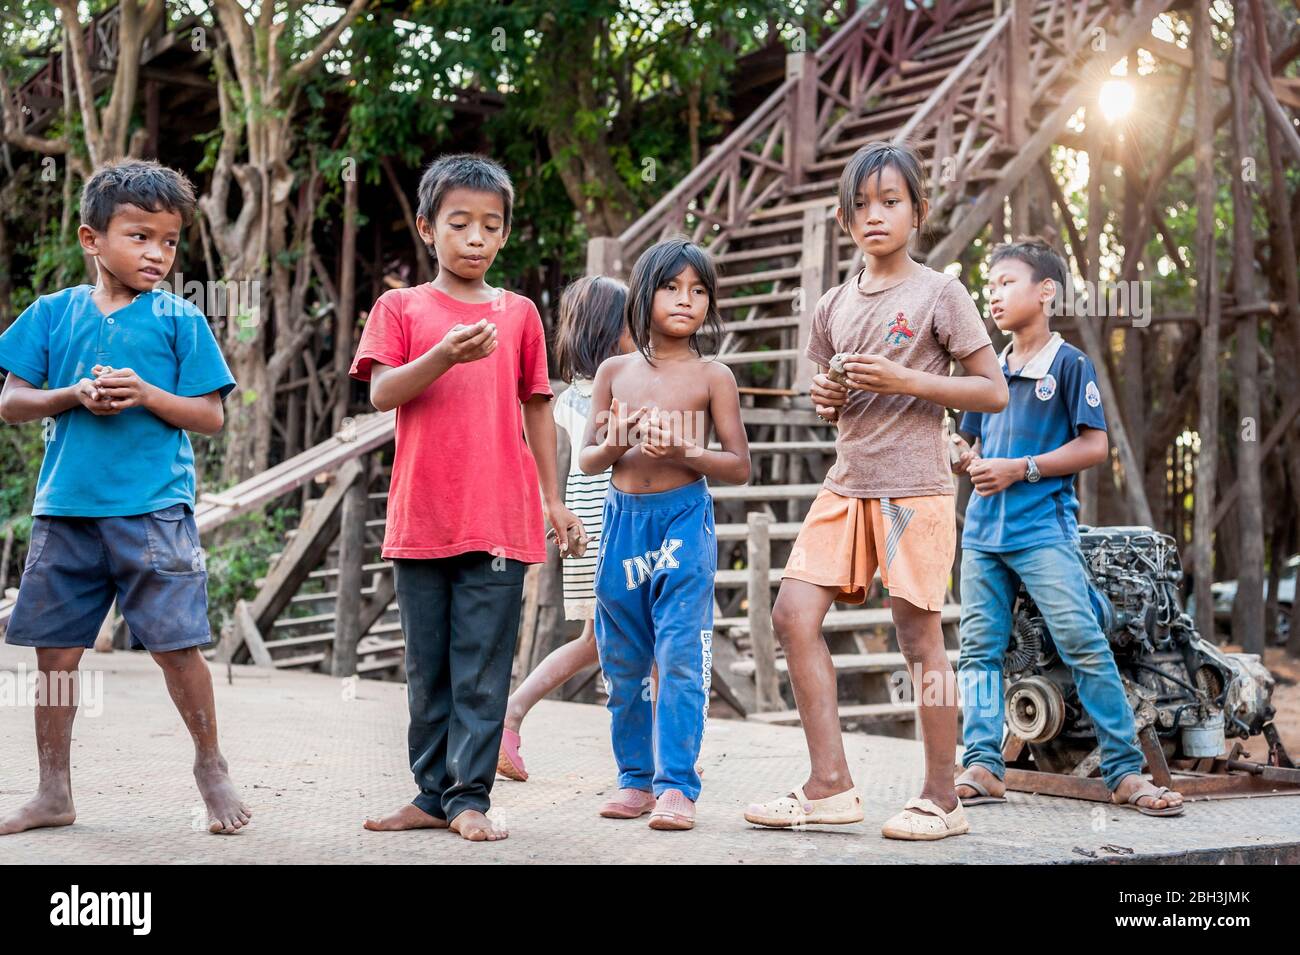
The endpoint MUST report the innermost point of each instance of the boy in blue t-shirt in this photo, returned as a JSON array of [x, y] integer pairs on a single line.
[[1021, 527], [118, 372]]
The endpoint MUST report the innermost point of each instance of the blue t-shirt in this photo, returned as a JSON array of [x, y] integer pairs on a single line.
[[1053, 397], [132, 462]]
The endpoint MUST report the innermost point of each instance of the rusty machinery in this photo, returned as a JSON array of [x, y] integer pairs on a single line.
[[1188, 696]]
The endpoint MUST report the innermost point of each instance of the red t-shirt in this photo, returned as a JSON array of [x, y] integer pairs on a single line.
[[463, 477]]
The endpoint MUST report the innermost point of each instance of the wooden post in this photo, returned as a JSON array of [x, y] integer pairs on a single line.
[[345, 315], [1207, 307], [315, 532], [1248, 607], [762, 640], [1018, 87], [801, 115], [814, 259], [347, 605], [605, 257]]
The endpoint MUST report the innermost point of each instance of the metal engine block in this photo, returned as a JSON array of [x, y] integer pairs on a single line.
[[1190, 691]]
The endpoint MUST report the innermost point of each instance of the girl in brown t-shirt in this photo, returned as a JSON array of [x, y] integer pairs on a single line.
[[895, 328]]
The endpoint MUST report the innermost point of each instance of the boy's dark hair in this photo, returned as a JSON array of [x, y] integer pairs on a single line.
[[657, 266], [591, 324], [1043, 260], [871, 160], [463, 171], [136, 182]]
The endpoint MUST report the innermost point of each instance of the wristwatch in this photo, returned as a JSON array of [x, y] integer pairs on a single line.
[[1031, 470]]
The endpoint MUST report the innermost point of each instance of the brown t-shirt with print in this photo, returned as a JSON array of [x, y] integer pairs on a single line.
[[892, 445]]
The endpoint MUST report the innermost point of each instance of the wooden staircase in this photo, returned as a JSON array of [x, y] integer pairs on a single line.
[[981, 89]]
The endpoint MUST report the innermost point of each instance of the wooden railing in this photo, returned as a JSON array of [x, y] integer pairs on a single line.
[[769, 150], [42, 95]]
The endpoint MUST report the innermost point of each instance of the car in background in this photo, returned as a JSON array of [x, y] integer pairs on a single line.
[[1225, 595]]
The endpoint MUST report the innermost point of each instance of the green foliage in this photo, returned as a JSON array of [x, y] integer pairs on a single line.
[[243, 556]]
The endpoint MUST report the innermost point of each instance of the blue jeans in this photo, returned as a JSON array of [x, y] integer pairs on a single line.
[[1056, 579], [654, 605]]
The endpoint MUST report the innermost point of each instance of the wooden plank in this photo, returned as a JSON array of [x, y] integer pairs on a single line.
[[846, 663], [249, 634], [347, 610], [841, 620], [855, 713], [367, 433], [762, 640], [300, 556]]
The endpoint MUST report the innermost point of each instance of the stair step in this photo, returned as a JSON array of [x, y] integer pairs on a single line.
[[770, 275], [846, 663], [327, 595], [785, 447], [310, 659], [788, 209], [740, 578], [776, 531], [760, 324], [849, 713], [764, 252], [745, 357], [841, 620], [764, 492], [765, 298]]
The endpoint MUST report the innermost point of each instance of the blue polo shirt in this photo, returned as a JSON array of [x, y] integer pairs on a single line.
[[1053, 397], [132, 462]]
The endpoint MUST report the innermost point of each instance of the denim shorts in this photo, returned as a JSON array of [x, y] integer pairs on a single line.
[[76, 566]]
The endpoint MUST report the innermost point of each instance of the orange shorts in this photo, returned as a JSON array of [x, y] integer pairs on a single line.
[[912, 540]]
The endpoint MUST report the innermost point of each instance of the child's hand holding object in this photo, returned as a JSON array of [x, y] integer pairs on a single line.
[[464, 343], [876, 373], [660, 439], [960, 454], [828, 394], [622, 428], [574, 542], [991, 475], [92, 399], [121, 387]]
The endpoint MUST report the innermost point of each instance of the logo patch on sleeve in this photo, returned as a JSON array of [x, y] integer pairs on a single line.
[[1092, 395], [1045, 388]]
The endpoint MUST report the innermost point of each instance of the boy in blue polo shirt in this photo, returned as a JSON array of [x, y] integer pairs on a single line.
[[1021, 527], [118, 372]]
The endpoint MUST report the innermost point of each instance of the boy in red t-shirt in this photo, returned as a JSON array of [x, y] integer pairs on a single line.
[[464, 364]]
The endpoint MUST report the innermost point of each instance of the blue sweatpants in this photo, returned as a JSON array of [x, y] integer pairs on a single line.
[[654, 604]]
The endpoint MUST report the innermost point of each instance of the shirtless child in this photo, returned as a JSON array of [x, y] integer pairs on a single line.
[[654, 578]]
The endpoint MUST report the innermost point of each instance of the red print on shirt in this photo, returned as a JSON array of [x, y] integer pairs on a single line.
[[898, 333]]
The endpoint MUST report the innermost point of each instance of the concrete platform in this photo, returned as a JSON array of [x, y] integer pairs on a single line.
[[313, 762]]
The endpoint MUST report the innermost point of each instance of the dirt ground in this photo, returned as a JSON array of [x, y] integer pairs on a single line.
[[1286, 697]]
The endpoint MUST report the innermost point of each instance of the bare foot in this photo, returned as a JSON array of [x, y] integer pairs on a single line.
[[409, 816], [42, 811], [996, 787], [824, 788], [227, 813], [476, 827], [1151, 798], [944, 799]]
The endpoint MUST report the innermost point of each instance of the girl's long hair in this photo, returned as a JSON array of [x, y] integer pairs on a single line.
[[658, 265], [591, 324]]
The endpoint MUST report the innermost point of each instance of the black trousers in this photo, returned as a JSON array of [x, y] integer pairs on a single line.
[[460, 617]]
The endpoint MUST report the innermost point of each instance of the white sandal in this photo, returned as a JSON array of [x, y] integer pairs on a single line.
[[841, 809], [919, 826]]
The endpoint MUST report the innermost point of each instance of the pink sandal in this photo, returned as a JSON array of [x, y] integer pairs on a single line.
[[628, 804], [509, 763]]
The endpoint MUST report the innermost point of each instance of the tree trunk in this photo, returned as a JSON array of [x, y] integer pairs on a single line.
[[1248, 608], [1207, 310]]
